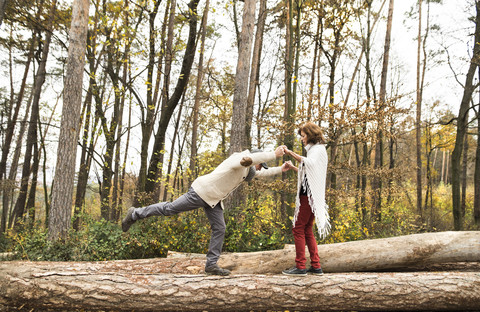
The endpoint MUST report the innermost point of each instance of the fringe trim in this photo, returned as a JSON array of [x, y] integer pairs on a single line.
[[322, 217]]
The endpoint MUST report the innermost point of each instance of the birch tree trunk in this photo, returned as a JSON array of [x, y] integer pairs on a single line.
[[62, 190]]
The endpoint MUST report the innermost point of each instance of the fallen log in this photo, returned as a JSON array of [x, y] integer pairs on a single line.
[[127, 286], [194, 259], [367, 255]]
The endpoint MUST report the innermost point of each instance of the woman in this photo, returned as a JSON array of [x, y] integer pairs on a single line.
[[310, 201]]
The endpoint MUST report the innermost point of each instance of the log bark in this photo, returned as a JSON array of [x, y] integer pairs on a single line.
[[367, 255], [178, 282], [134, 285]]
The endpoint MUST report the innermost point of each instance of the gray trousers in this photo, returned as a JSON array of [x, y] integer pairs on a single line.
[[186, 202]]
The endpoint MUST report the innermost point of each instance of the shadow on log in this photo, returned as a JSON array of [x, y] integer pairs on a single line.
[[162, 285]]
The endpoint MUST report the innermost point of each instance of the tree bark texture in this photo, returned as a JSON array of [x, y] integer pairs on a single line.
[[3, 5], [178, 282], [40, 76], [476, 177], [171, 104], [62, 190], [462, 122], [124, 286], [255, 72], [418, 120], [198, 92], [240, 94], [367, 255]]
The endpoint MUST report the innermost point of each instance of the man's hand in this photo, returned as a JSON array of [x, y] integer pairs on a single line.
[[280, 151]]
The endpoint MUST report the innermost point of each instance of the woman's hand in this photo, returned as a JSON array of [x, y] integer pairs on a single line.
[[287, 166], [293, 154]]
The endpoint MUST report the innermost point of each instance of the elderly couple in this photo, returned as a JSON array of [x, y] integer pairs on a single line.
[[209, 190]]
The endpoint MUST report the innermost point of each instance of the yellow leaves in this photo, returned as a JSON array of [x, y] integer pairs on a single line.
[[365, 231]]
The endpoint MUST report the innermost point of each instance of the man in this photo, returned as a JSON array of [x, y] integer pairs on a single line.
[[209, 191]]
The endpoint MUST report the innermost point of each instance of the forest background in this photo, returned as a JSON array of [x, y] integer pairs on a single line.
[[171, 88]]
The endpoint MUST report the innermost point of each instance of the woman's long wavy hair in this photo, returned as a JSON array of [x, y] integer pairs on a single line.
[[313, 132]]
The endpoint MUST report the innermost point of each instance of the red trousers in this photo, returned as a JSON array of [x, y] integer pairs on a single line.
[[303, 234]]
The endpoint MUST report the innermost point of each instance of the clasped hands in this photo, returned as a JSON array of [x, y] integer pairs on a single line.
[[279, 152]]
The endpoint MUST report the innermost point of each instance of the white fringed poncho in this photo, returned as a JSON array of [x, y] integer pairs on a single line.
[[312, 170]]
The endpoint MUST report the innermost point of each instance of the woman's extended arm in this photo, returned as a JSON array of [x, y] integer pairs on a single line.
[[293, 154]]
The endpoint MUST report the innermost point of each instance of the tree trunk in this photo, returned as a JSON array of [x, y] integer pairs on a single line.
[[463, 178], [476, 176], [172, 150], [3, 5], [198, 92], [418, 119], [85, 157], [177, 284], [462, 126], [62, 190], [377, 180], [46, 196], [30, 207], [240, 93], [287, 137], [8, 192], [367, 255], [90, 123], [12, 121], [165, 292], [172, 102], [150, 110], [19, 209], [237, 138], [255, 73]]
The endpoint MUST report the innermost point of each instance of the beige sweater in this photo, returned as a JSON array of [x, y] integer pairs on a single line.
[[217, 185]]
